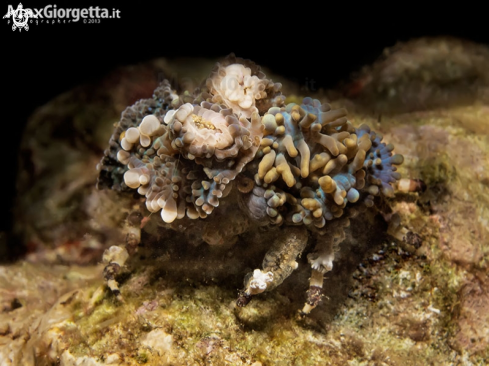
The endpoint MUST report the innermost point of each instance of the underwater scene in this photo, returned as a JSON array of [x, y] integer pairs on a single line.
[[214, 212]]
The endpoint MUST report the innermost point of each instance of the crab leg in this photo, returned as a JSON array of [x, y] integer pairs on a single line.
[[278, 264], [116, 256], [321, 260]]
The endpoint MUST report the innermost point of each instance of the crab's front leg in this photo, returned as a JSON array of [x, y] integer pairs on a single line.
[[116, 256], [278, 264]]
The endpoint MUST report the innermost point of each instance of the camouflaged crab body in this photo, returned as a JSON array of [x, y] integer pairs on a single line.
[[302, 167]]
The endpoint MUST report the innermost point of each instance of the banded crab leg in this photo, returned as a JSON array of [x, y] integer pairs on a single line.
[[321, 260], [116, 256]]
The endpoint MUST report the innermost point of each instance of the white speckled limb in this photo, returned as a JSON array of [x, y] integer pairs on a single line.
[[278, 264]]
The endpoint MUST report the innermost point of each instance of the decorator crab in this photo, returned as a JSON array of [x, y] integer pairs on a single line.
[[232, 157]]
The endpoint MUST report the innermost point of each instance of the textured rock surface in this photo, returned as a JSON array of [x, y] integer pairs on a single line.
[[413, 297]]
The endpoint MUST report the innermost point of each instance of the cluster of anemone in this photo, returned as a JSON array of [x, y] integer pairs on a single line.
[[291, 163], [295, 165]]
